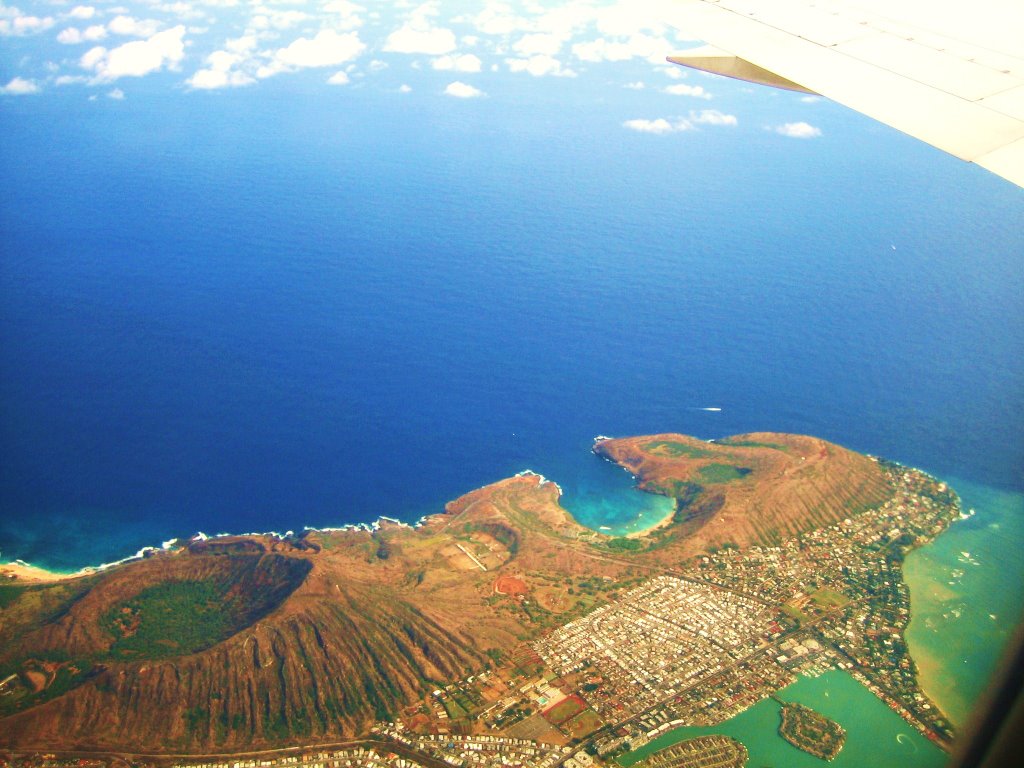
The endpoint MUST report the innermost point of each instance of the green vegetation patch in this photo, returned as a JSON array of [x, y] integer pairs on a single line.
[[685, 492], [170, 619], [752, 444], [9, 593], [29, 606], [793, 612], [455, 710], [810, 731], [180, 616], [722, 473], [676, 449], [48, 676], [829, 598], [506, 536], [585, 723], [622, 544]]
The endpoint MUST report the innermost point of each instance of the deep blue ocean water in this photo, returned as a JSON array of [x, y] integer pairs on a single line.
[[271, 308]]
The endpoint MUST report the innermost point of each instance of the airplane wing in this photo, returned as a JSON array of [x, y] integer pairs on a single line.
[[948, 72]]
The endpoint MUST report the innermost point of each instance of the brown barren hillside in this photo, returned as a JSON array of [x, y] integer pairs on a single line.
[[281, 646], [256, 642], [253, 642], [757, 488]]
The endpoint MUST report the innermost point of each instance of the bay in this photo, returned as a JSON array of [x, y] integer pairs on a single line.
[[875, 735]]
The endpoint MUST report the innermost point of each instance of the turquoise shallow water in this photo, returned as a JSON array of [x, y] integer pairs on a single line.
[[603, 496], [875, 734], [966, 594]]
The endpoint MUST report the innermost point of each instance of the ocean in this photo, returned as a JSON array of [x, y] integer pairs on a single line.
[[291, 305], [227, 316]]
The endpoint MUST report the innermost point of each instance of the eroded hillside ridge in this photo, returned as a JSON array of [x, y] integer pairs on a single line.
[[258, 642]]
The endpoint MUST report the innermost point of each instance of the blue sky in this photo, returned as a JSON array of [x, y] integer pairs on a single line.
[[462, 51]]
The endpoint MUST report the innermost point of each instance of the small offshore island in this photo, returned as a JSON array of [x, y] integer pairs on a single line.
[[499, 632], [810, 731]]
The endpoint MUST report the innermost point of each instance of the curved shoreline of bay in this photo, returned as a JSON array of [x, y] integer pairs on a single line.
[[966, 592]]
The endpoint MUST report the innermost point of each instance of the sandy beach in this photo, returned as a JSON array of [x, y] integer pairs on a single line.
[[25, 573], [662, 523]]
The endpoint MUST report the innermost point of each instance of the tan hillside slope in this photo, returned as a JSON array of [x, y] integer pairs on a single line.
[[757, 488]]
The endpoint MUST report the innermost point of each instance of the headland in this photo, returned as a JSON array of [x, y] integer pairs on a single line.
[[501, 618]]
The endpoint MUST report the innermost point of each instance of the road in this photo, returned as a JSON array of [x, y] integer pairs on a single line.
[[134, 758]]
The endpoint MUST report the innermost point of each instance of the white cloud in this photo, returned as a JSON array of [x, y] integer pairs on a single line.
[[180, 9], [658, 126], [137, 58], [497, 19], [17, 24], [339, 78], [810, 99], [464, 63], [327, 49], [82, 12], [347, 14], [637, 46], [432, 41], [265, 18], [242, 45], [73, 35], [220, 71], [343, 7], [462, 90], [712, 117], [652, 48], [405, 88], [635, 86], [70, 80], [211, 79], [131, 27], [539, 43], [602, 50], [799, 130], [682, 89], [20, 87], [634, 17], [91, 58], [117, 94], [565, 20], [539, 66], [662, 125]]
